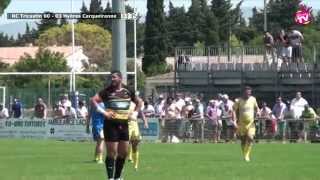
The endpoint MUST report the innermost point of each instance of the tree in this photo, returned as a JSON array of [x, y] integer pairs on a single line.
[[44, 61], [179, 28], [107, 23], [3, 5], [227, 17], [46, 24], [280, 15], [256, 21], [95, 40], [155, 39], [95, 7]]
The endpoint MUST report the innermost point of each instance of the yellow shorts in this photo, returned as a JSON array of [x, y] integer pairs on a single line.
[[247, 130], [134, 133]]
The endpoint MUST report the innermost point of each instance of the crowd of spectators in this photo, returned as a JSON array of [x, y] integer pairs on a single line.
[[284, 47], [62, 109], [284, 119]]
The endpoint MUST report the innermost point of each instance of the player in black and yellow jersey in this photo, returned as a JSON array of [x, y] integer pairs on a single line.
[[117, 98]]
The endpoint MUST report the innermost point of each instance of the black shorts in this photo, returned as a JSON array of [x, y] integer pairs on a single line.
[[115, 131]]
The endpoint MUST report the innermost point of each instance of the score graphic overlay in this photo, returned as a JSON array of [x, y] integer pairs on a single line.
[[71, 15]]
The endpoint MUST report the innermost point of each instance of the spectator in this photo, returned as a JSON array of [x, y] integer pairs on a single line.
[[214, 115], [180, 103], [159, 107], [309, 116], [296, 39], [309, 113], [16, 108], [278, 111], [286, 49], [188, 109], [227, 116], [160, 113], [148, 109], [70, 113], [64, 103], [198, 120], [40, 109], [269, 45], [82, 111], [3, 112], [226, 102], [171, 111], [270, 125], [297, 105]]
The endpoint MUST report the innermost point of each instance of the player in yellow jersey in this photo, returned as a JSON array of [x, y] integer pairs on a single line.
[[244, 113], [134, 135]]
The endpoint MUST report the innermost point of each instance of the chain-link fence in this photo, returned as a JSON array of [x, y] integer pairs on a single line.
[[204, 130]]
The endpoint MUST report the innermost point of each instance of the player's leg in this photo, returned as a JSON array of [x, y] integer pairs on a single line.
[[122, 150], [111, 135], [110, 161], [121, 158], [135, 153], [99, 150], [249, 138]]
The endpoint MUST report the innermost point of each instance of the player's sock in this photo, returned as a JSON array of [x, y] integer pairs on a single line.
[[119, 166], [243, 148], [130, 154], [249, 147], [135, 157], [110, 166], [96, 157], [247, 152]]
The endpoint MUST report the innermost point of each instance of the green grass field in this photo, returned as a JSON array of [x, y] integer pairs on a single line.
[[52, 160]]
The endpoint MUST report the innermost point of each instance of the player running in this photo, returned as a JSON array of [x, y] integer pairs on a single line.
[[97, 120], [244, 113], [134, 135]]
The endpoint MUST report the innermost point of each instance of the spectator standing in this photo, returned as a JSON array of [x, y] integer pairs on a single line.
[[278, 111], [269, 45], [40, 109], [82, 111], [214, 115], [3, 112], [16, 108], [198, 120], [296, 39], [297, 106], [286, 48], [148, 109]]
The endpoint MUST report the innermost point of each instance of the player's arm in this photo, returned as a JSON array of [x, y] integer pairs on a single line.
[[256, 108], [95, 100], [137, 101], [235, 114], [145, 120], [45, 112]]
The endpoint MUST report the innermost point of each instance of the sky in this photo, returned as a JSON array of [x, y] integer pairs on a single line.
[[39, 6]]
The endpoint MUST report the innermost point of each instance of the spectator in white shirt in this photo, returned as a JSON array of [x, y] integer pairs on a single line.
[[3, 112], [148, 109], [82, 111], [180, 103], [71, 113], [297, 105], [64, 103]]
